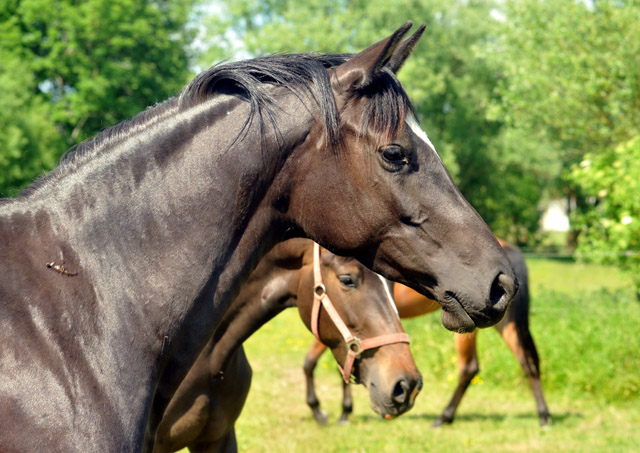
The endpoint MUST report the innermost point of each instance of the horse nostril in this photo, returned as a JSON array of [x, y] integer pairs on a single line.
[[401, 391], [502, 286]]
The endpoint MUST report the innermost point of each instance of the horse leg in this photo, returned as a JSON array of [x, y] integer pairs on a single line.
[[519, 340], [468, 368], [347, 404], [310, 362]]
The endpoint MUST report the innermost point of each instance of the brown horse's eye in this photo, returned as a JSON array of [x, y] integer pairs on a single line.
[[347, 280], [393, 157]]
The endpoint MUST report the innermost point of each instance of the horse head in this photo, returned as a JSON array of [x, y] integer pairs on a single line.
[[352, 312], [407, 219]]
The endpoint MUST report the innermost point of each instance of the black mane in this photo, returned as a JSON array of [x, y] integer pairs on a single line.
[[305, 75]]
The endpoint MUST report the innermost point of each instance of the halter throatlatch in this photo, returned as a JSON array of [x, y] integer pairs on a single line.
[[355, 346]]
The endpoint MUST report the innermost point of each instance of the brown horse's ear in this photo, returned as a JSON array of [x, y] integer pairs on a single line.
[[404, 49], [362, 69]]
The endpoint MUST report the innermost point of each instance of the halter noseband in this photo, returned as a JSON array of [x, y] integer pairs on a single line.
[[355, 346]]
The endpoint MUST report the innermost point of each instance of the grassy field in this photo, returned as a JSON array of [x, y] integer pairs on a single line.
[[585, 321]]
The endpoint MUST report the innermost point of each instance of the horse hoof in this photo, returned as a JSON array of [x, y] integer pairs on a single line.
[[545, 421], [440, 421], [321, 417], [343, 422]]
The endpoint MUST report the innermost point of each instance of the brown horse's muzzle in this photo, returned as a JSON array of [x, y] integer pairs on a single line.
[[392, 379], [404, 395]]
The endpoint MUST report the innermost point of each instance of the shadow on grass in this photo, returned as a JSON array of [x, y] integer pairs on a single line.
[[556, 418]]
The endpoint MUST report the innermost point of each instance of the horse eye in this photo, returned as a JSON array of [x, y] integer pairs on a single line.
[[394, 155], [347, 280]]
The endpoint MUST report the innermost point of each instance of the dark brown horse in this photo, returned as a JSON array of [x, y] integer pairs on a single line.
[[514, 328], [118, 265], [202, 413]]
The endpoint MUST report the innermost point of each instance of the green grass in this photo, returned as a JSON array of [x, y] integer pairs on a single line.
[[585, 322]]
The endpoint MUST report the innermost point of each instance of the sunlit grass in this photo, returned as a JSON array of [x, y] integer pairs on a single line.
[[585, 321], [566, 276]]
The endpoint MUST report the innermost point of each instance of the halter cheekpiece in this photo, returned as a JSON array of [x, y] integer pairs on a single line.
[[355, 346]]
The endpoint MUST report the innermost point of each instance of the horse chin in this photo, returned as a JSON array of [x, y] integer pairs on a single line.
[[383, 412], [454, 317]]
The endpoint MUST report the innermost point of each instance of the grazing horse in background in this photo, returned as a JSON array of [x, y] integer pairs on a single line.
[[514, 328], [202, 413], [118, 264]]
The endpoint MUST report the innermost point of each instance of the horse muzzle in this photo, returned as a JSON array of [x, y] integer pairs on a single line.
[[461, 316], [401, 398]]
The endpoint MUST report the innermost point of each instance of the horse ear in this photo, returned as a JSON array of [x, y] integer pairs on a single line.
[[404, 50], [361, 70]]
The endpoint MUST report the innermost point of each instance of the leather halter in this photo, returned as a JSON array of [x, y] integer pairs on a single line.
[[355, 346]]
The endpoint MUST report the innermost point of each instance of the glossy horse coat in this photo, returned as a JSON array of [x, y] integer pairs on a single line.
[[118, 265], [202, 413], [514, 328]]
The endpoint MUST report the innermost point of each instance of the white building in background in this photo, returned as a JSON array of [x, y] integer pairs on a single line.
[[555, 216]]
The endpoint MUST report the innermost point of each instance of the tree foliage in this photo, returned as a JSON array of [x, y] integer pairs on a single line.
[[571, 76], [514, 94], [71, 68], [610, 231], [572, 82], [29, 141]]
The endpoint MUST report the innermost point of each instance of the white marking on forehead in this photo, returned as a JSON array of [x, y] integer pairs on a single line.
[[415, 127], [385, 285]]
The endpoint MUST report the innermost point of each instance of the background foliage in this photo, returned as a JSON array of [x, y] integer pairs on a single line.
[[514, 94], [571, 82], [71, 68], [611, 229]]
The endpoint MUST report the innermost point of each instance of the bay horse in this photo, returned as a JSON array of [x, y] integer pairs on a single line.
[[119, 263], [514, 329], [202, 413]]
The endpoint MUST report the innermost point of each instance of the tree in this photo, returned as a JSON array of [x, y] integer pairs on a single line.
[[79, 67], [448, 77], [611, 230], [571, 79], [28, 140]]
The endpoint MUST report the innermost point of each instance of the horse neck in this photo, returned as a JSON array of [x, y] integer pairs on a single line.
[[271, 288], [167, 221], [256, 229]]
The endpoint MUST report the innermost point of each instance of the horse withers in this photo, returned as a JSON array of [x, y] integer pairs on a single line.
[[118, 264], [514, 329], [202, 413]]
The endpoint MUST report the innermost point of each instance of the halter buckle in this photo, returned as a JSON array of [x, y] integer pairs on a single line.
[[319, 290], [354, 346]]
